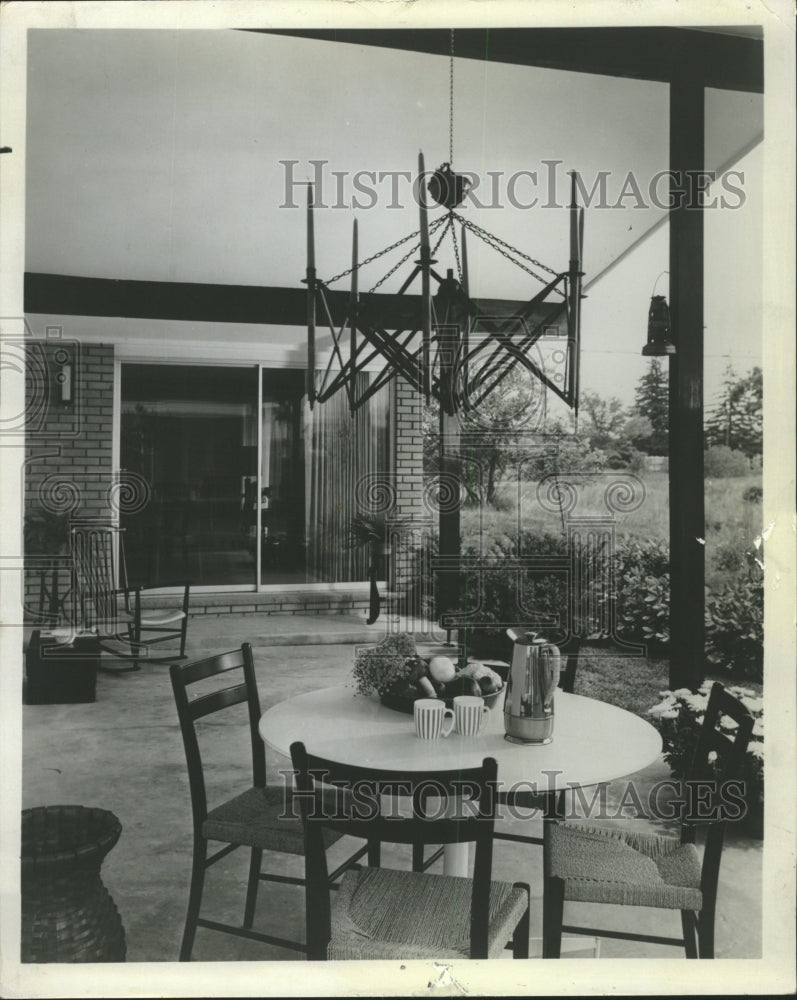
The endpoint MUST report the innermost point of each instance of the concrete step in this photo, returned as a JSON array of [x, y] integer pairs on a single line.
[[228, 630]]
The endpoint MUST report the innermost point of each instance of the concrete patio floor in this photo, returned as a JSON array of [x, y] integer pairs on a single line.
[[124, 753]]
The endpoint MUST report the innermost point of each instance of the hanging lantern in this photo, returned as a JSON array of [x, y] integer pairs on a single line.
[[447, 188], [659, 344]]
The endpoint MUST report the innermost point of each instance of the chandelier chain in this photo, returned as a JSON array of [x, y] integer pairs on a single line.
[[381, 253], [506, 249], [451, 103], [434, 226], [456, 246]]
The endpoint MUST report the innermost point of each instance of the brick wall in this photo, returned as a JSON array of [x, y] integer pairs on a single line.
[[68, 446]]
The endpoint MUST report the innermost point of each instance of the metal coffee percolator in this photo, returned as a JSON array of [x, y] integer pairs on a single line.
[[533, 679]]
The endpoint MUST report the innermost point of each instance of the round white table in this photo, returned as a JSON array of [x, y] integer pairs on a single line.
[[593, 742]]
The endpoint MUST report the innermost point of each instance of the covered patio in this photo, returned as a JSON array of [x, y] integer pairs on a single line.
[[167, 284]]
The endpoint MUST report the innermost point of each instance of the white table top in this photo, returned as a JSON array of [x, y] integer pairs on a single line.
[[592, 742]]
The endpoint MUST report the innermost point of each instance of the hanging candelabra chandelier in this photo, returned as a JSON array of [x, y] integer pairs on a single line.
[[440, 340]]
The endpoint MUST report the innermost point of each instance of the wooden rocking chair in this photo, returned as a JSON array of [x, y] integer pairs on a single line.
[[105, 603]]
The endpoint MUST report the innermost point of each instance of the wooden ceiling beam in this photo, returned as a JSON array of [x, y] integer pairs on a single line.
[[720, 59]]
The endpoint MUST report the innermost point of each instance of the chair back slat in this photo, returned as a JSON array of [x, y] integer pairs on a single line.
[[200, 670], [93, 546], [215, 701], [189, 710], [730, 749]]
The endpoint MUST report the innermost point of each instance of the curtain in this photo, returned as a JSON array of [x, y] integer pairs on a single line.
[[340, 449]]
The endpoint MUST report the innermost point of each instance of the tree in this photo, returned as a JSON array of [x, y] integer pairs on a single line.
[[736, 416], [500, 431], [506, 433], [606, 419], [652, 400]]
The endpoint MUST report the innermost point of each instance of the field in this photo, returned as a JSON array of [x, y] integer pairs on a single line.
[[732, 523]]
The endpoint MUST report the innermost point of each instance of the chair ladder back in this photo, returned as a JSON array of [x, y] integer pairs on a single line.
[[193, 757], [711, 740], [730, 750], [189, 710], [368, 817]]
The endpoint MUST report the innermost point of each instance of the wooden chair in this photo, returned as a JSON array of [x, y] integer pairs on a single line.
[[590, 864], [253, 818], [105, 603], [383, 913]]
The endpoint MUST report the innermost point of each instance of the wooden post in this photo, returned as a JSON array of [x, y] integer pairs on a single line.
[[687, 515]]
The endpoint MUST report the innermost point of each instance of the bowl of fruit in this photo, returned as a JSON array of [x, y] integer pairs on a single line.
[[439, 677], [397, 671]]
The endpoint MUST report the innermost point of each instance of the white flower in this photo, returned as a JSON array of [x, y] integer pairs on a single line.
[[757, 750], [682, 692], [712, 756], [705, 687], [662, 707], [697, 702], [670, 713], [666, 693], [700, 719], [728, 723], [758, 728], [754, 705]]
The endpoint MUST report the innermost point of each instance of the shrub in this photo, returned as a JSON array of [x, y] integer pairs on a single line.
[[753, 494], [679, 716], [506, 598], [730, 558], [642, 579], [735, 627], [722, 462]]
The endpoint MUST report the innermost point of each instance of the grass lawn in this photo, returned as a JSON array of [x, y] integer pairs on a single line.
[[630, 682], [732, 523]]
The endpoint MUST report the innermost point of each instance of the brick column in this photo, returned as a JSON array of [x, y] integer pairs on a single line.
[[409, 570]]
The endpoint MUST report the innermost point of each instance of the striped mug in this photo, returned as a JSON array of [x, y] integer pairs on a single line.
[[470, 713], [429, 715]]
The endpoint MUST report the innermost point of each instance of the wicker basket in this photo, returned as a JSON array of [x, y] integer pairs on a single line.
[[67, 913]]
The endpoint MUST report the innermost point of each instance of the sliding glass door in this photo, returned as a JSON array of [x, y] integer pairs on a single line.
[[190, 433], [226, 495]]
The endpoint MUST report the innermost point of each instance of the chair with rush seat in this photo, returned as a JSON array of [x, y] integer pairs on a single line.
[[253, 817], [590, 864], [382, 913]]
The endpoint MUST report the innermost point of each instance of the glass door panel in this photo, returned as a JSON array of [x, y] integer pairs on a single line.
[[190, 432]]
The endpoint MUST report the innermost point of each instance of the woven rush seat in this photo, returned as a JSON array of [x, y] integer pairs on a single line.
[[616, 866], [150, 620], [380, 913], [255, 818]]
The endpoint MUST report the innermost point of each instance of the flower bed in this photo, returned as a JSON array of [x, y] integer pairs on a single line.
[[679, 716]]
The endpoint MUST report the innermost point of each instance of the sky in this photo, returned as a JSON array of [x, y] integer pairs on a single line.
[[178, 156]]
